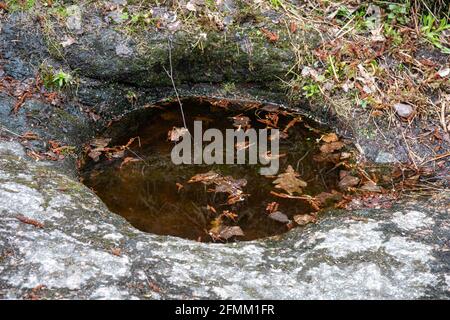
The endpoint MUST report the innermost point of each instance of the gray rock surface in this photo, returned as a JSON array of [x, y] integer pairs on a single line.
[[366, 254]]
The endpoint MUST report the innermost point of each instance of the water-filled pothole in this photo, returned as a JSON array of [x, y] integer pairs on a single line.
[[140, 182]]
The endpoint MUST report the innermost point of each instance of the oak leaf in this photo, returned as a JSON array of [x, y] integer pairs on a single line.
[[290, 182]]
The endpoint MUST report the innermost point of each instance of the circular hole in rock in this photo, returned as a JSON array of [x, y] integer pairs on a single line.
[[130, 168]]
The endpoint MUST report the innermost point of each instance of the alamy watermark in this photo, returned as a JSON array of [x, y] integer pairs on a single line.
[[231, 149]]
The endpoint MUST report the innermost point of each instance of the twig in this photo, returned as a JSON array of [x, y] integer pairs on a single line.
[[170, 75], [2, 128], [443, 122], [445, 155]]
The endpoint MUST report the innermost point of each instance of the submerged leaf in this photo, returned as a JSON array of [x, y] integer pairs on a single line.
[[304, 219], [229, 232], [279, 216], [175, 134], [99, 143]]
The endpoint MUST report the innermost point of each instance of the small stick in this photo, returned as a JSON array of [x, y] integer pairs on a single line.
[[443, 122], [170, 75]]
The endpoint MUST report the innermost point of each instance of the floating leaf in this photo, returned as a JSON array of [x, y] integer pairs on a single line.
[[289, 181], [229, 232], [205, 178], [331, 147], [330, 137]]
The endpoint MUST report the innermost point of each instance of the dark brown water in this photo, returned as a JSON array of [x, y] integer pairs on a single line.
[[148, 194]]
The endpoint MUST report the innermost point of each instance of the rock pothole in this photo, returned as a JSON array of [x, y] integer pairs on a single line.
[[213, 196]]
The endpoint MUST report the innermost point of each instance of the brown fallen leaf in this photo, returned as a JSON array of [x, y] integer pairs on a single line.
[[348, 181], [27, 220], [21, 101], [205, 178], [331, 147], [330, 137], [116, 251], [229, 232], [175, 134], [371, 186], [271, 36], [293, 27], [326, 197], [230, 215], [233, 187], [241, 122], [128, 160], [272, 207], [304, 219], [99, 143], [289, 181], [29, 136], [94, 155], [179, 186]]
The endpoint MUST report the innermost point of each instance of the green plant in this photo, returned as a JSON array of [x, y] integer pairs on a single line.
[[275, 3], [229, 87], [20, 5], [432, 29], [311, 89], [336, 70], [397, 12], [55, 80], [391, 32], [62, 79]]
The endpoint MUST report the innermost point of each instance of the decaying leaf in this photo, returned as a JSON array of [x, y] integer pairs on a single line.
[[29, 136], [292, 27], [348, 181], [205, 178], [230, 215], [241, 122], [371, 186], [271, 120], [227, 232], [326, 197], [279, 216], [179, 186], [330, 137], [233, 187], [272, 207], [94, 155], [289, 181], [99, 143], [128, 160], [27, 220], [304, 219], [331, 147], [175, 134], [116, 251], [271, 36]]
